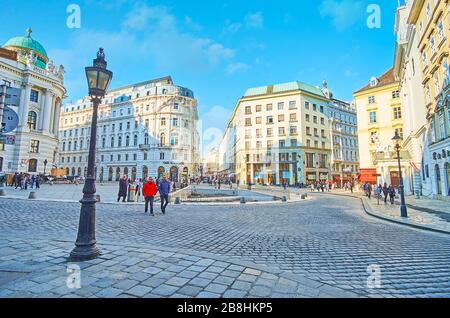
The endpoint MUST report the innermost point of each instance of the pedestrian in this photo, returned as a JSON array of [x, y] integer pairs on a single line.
[[385, 192], [123, 188], [149, 191], [33, 180], [38, 182], [377, 192], [392, 194], [137, 192], [164, 190], [369, 190]]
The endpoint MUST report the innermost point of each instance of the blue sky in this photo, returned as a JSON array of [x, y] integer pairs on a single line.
[[216, 48]]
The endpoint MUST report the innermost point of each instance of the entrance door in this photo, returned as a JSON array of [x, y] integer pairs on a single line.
[[438, 180], [395, 179]]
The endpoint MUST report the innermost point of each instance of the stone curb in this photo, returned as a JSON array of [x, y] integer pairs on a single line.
[[369, 210]]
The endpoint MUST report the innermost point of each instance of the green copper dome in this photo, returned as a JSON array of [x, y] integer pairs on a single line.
[[28, 43]]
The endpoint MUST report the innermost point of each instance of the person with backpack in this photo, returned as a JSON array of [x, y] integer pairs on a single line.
[[392, 194], [149, 191], [164, 190]]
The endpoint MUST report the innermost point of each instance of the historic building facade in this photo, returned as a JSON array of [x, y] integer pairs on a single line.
[[278, 133], [380, 118], [431, 21], [147, 129], [344, 137], [24, 64]]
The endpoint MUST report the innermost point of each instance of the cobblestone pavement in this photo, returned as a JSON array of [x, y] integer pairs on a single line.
[[321, 247]]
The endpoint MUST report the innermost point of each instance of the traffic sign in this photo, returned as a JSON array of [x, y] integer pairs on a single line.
[[8, 140], [10, 120]]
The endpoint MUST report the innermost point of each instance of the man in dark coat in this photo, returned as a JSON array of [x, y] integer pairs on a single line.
[[123, 188]]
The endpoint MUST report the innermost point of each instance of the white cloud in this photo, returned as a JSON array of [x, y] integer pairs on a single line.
[[237, 67], [148, 36], [343, 13], [191, 24], [231, 27], [254, 20]]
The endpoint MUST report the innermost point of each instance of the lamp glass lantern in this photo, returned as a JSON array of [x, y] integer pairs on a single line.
[[98, 77]]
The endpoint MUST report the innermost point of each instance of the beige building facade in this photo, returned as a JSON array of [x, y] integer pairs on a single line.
[[279, 133]]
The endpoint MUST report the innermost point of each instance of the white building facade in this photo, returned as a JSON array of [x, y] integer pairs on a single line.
[[344, 136], [147, 129], [24, 64]]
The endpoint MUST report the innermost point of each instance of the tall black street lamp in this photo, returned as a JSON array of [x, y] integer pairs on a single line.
[[403, 209], [85, 247]]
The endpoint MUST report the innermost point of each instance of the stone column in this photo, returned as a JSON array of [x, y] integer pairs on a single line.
[[56, 118], [47, 111], [24, 105]]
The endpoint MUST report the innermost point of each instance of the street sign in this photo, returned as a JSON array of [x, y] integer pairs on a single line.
[[12, 95], [10, 120], [8, 140]]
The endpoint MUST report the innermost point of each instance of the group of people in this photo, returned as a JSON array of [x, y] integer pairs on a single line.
[[24, 180], [322, 186], [149, 190], [379, 191]]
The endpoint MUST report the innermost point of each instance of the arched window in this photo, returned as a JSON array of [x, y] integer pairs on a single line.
[[127, 142], [81, 144], [32, 119], [112, 142], [146, 139], [162, 139], [103, 142], [64, 146], [75, 145], [135, 140], [120, 142], [70, 146]]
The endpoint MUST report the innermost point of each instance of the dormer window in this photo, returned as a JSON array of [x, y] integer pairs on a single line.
[[373, 82]]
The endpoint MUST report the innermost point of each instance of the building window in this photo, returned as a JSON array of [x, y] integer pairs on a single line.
[[396, 94], [175, 122], [161, 156], [399, 131], [293, 118], [34, 146], [373, 117], [248, 110], [307, 118], [176, 106], [281, 131], [258, 120], [127, 141], [371, 99], [31, 122], [397, 112], [280, 106], [307, 105], [34, 96], [258, 108], [269, 120], [163, 121], [32, 165], [269, 132], [442, 133], [280, 118], [248, 122], [293, 105], [135, 140], [269, 107], [112, 142]]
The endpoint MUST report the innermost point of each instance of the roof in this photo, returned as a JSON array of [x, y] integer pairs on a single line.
[[385, 79], [284, 87], [27, 42], [157, 80]]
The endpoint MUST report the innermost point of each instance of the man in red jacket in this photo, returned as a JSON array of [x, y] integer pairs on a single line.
[[149, 191]]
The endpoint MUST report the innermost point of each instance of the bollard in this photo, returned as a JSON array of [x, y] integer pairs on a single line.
[[2, 192], [242, 200], [97, 197], [32, 196], [284, 199], [304, 196], [177, 200]]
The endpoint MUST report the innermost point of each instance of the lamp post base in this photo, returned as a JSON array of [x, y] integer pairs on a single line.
[[84, 253], [403, 211]]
